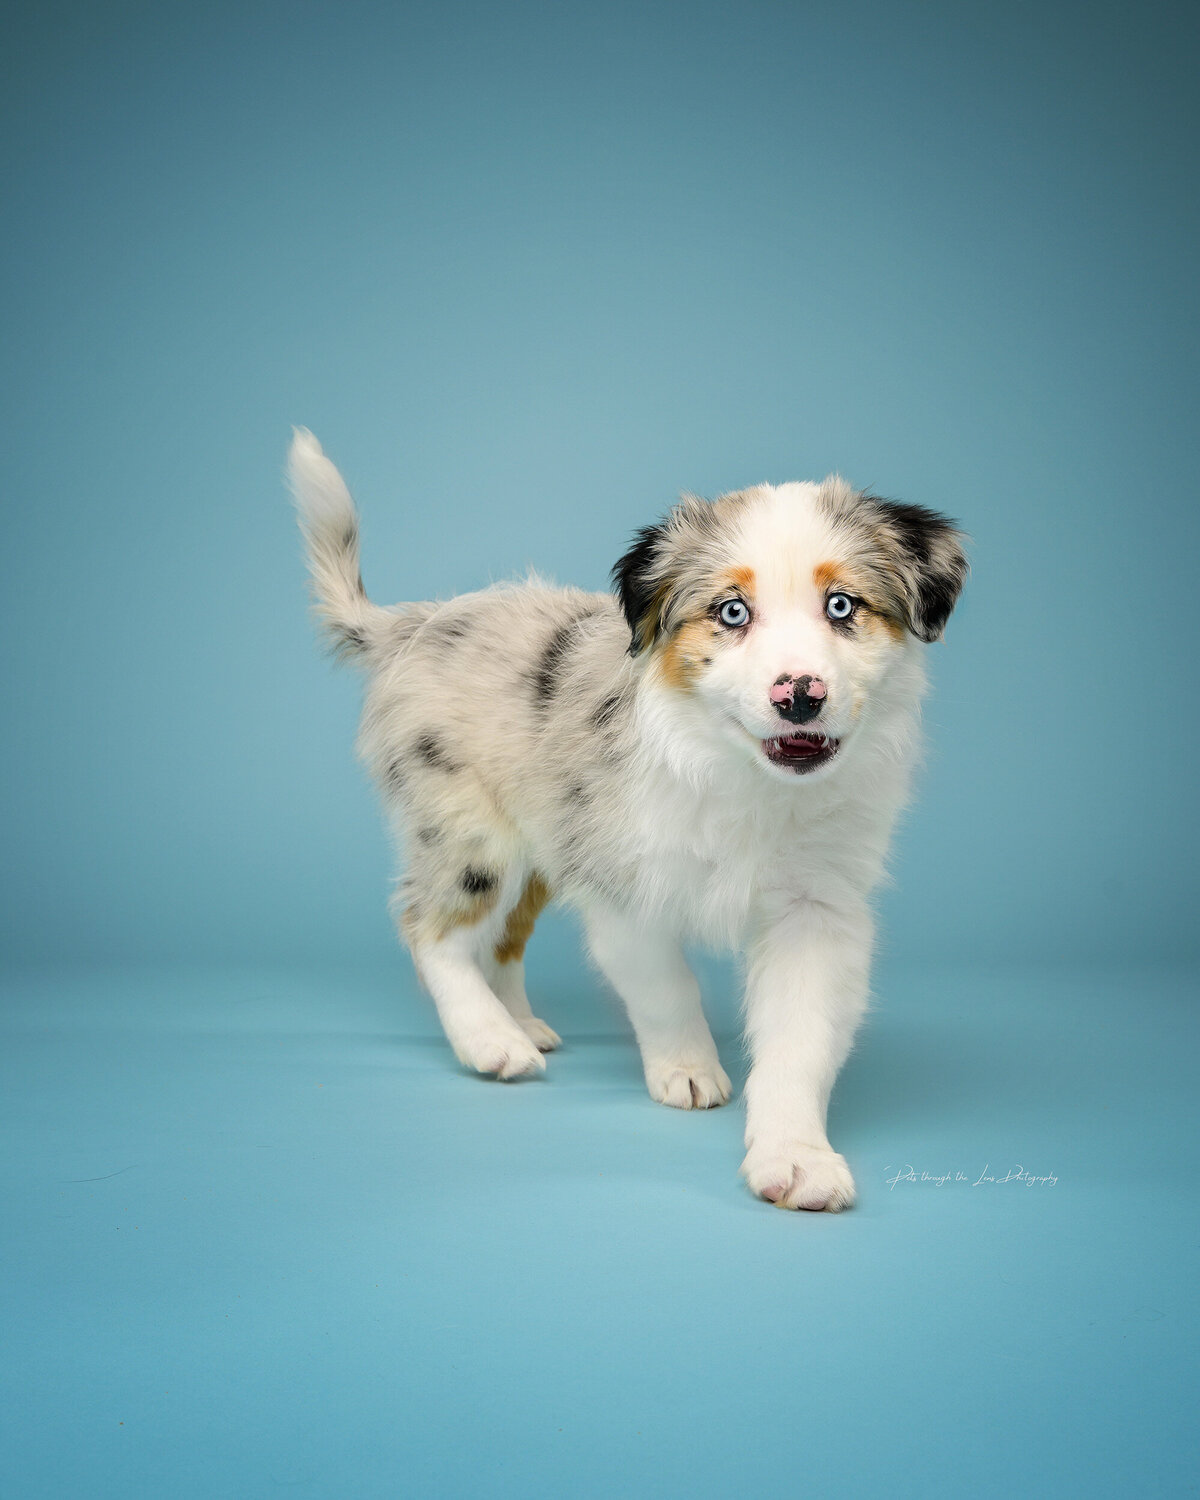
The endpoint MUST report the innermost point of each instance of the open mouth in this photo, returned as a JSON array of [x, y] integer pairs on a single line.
[[801, 752]]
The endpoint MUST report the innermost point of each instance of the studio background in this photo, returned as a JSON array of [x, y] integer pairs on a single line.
[[527, 272]]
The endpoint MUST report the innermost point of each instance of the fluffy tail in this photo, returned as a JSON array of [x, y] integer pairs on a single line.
[[329, 522]]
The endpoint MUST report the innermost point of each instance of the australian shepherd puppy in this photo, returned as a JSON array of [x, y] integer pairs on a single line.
[[716, 752]]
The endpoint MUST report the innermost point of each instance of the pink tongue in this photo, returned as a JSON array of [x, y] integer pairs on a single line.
[[802, 743]]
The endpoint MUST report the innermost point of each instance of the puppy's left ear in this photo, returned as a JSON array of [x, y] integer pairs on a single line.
[[640, 586], [931, 564]]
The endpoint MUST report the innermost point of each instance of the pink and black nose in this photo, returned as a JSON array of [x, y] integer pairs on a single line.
[[799, 699]]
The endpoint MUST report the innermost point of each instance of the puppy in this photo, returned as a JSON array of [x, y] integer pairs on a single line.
[[717, 753]]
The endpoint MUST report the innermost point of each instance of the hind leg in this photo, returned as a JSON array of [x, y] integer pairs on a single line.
[[508, 982], [465, 884], [479, 1027], [505, 966], [452, 917]]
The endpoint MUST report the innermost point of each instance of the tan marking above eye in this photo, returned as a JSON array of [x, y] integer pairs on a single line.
[[741, 579], [827, 576]]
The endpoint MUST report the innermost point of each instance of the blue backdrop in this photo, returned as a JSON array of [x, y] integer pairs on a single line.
[[528, 270]]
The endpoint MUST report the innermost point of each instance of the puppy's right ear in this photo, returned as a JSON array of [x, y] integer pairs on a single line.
[[641, 588]]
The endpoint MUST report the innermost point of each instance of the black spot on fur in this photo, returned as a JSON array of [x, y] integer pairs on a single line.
[[635, 581], [433, 753], [549, 665], [349, 639], [607, 711], [429, 835], [393, 776], [577, 793], [478, 882], [448, 630], [547, 674]]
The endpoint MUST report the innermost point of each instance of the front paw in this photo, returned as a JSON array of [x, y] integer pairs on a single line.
[[793, 1175]]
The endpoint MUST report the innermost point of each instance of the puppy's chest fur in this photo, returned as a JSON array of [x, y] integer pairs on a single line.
[[700, 861], [709, 857]]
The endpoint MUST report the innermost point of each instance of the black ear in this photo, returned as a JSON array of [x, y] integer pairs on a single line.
[[639, 585], [932, 564]]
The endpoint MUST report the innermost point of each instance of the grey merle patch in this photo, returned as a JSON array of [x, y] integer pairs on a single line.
[[547, 675], [607, 711], [431, 750], [447, 630]]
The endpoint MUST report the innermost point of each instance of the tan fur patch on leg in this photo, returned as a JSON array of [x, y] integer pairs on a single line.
[[521, 919], [467, 915], [420, 923]]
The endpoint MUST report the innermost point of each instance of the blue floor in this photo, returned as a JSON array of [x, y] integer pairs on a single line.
[[263, 1236]]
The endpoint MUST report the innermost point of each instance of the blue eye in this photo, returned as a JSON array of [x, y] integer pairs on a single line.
[[734, 613], [839, 606]]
